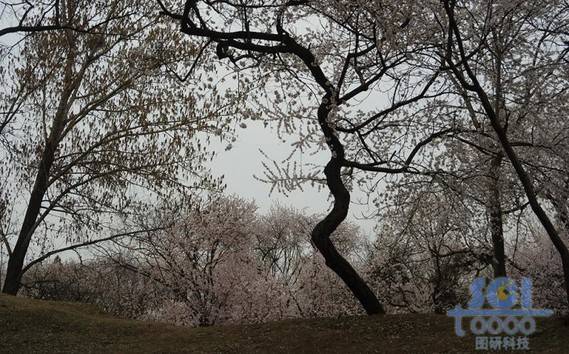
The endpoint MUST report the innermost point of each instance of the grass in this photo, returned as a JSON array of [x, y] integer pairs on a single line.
[[32, 326]]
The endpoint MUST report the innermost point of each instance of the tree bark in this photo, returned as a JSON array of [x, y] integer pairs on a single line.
[[17, 257], [527, 184], [324, 229], [282, 42], [495, 214], [16, 261]]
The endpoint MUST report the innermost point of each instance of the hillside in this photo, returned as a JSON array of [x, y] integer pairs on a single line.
[[42, 326]]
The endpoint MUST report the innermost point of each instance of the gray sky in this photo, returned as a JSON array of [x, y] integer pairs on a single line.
[[245, 160]]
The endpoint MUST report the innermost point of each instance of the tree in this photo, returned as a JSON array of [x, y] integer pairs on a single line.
[[219, 261], [95, 129], [504, 65], [525, 45], [424, 258], [29, 17], [537, 259], [311, 290], [204, 260], [98, 281], [34, 16], [358, 47]]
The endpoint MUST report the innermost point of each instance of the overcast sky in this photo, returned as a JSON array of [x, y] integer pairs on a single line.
[[245, 160]]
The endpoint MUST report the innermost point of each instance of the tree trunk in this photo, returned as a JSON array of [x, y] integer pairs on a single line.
[[334, 260], [494, 208], [16, 261], [17, 257], [510, 153], [325, 228], [530, 192], [525, 180]]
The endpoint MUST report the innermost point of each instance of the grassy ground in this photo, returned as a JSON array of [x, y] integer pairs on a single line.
[[31, 326]]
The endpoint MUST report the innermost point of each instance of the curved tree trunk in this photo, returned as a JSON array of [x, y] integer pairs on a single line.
[[325, 228]]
